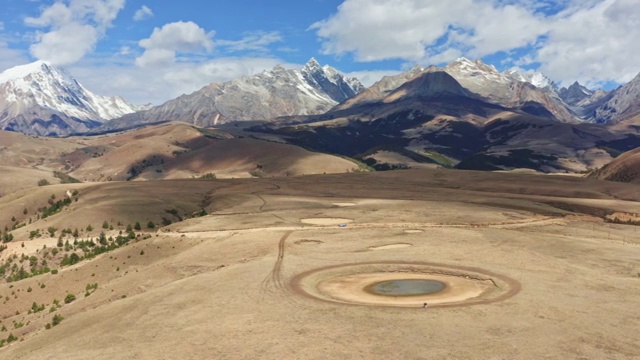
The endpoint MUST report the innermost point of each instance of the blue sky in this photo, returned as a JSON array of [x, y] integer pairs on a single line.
[[152, 51]]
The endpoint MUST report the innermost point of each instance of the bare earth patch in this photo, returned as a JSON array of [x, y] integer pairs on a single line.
[[413, 231], [390, 246], [343, 204], [326, 221]]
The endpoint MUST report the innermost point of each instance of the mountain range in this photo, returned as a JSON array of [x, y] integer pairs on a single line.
[[466, 114], [42, 99]]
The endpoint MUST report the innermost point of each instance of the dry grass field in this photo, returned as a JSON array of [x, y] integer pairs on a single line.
[[275, 269]]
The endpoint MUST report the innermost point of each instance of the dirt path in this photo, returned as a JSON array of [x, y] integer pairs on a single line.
[[276, 273], [404, 225]]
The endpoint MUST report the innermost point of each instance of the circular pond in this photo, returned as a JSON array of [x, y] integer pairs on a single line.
[[404, 284], [406, 287]]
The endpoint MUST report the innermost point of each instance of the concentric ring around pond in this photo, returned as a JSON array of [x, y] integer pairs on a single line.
[[404, 284]]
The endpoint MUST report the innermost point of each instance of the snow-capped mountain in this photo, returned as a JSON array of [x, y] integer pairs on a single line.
[[510, 89], [534, 78], [41, 99], [314, 89]]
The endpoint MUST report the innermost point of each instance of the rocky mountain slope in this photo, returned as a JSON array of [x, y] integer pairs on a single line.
[[623, 103], [314, 89], [41, 99], [575, 94], [510, 89], [434, 118]]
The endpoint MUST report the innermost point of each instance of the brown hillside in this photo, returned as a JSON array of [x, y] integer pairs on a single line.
[[624, 168], [173, 151], [237, 281]]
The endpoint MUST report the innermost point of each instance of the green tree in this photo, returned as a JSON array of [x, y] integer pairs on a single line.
[[105, 225], [137, 226], [151, 225]]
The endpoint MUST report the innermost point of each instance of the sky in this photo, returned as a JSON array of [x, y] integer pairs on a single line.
[[152, 51]]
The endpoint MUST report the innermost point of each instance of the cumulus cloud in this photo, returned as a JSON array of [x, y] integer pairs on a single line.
[[164, 43], [143, 13], [592, 41], [594, 44], [74, 27]]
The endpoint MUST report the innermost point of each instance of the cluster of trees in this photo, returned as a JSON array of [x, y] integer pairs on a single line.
[[14, 267]]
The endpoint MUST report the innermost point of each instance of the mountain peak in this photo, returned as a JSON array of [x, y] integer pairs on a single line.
[[432, 83], [477, 66], [42, 99], [312, 65], [22, 71]]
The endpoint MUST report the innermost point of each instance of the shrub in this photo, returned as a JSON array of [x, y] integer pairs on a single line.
[[137, 226], [151, 225], [69, 298], [105, 225], [43, 182], [57, 319], [89, 228]]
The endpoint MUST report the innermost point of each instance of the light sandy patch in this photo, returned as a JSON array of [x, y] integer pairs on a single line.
[[390, 246], [343, 204], [350, 289], [29, 247], [325, 221], [413, 231]]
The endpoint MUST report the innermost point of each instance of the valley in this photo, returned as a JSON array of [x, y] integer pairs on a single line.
[[447, 212]]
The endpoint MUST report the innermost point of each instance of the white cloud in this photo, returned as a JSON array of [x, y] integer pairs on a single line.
[[9, 57], [369, 77], [159, 84], [49, 44], [258, 41], [143, 13], [592, 41], [125, 50], [164, 43], [594, 44], [74, 28]]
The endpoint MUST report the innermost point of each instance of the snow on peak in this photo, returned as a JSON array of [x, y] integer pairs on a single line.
[[40, 84], [532, 77], [23, 71], [312, 65]]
